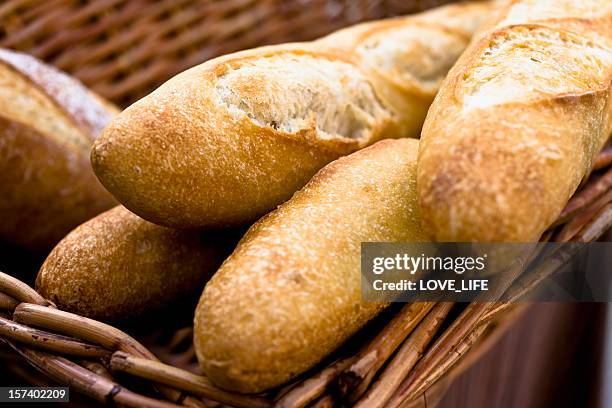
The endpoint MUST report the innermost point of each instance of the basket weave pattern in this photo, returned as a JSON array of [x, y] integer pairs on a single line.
[[123, 49]]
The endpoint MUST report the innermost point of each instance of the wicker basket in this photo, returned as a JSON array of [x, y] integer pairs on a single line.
[[124, 49]]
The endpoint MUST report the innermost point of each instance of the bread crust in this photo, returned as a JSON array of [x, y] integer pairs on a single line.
[[430, 42], [290, 292], [85, 109], [48, 122], [227, 141], [517, 122], [118, 266]]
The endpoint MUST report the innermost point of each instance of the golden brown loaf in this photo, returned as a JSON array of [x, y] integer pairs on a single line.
[[290, 293], [48, 122], [117, 266], [517, 122], [227, 141]]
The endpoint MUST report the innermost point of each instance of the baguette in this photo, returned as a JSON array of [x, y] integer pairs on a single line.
[[416, 52], [290, 292], [518, 122], [48, 122], [118, 266], [227, 141]]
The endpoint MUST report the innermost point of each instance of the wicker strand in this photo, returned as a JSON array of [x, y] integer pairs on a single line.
[[14, 288], [89, 330], [312, 388], [405, 359], [100, 388], [49, 341], [594, 190], [355, 380], [8, 302], [93, 331], [79, 327], [589, 233], [181, 379], [604, 159]]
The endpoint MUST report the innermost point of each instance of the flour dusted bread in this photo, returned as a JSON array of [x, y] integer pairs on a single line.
[[118, 266], [227, 141], [517, 122], [290, 293], [48, 122]]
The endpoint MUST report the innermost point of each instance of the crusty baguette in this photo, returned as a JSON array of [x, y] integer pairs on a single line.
[[227, 141], [48, 122], [118, 266], [290, 293], [414, 52], [518, 122]]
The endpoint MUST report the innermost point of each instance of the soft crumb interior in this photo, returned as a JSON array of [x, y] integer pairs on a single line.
[[413, 53], [23, 102], [522, 63], [291, 92]]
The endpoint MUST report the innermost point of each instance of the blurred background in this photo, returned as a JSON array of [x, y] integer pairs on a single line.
[[123, 49]]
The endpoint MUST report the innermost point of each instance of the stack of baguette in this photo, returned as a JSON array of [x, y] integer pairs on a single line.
[[512, 131], [227, 141]]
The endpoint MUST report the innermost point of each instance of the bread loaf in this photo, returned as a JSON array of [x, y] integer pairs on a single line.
[[290, 293], [414, 52], [227, 141], [118, 266], [48, 122], [517, 123]]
